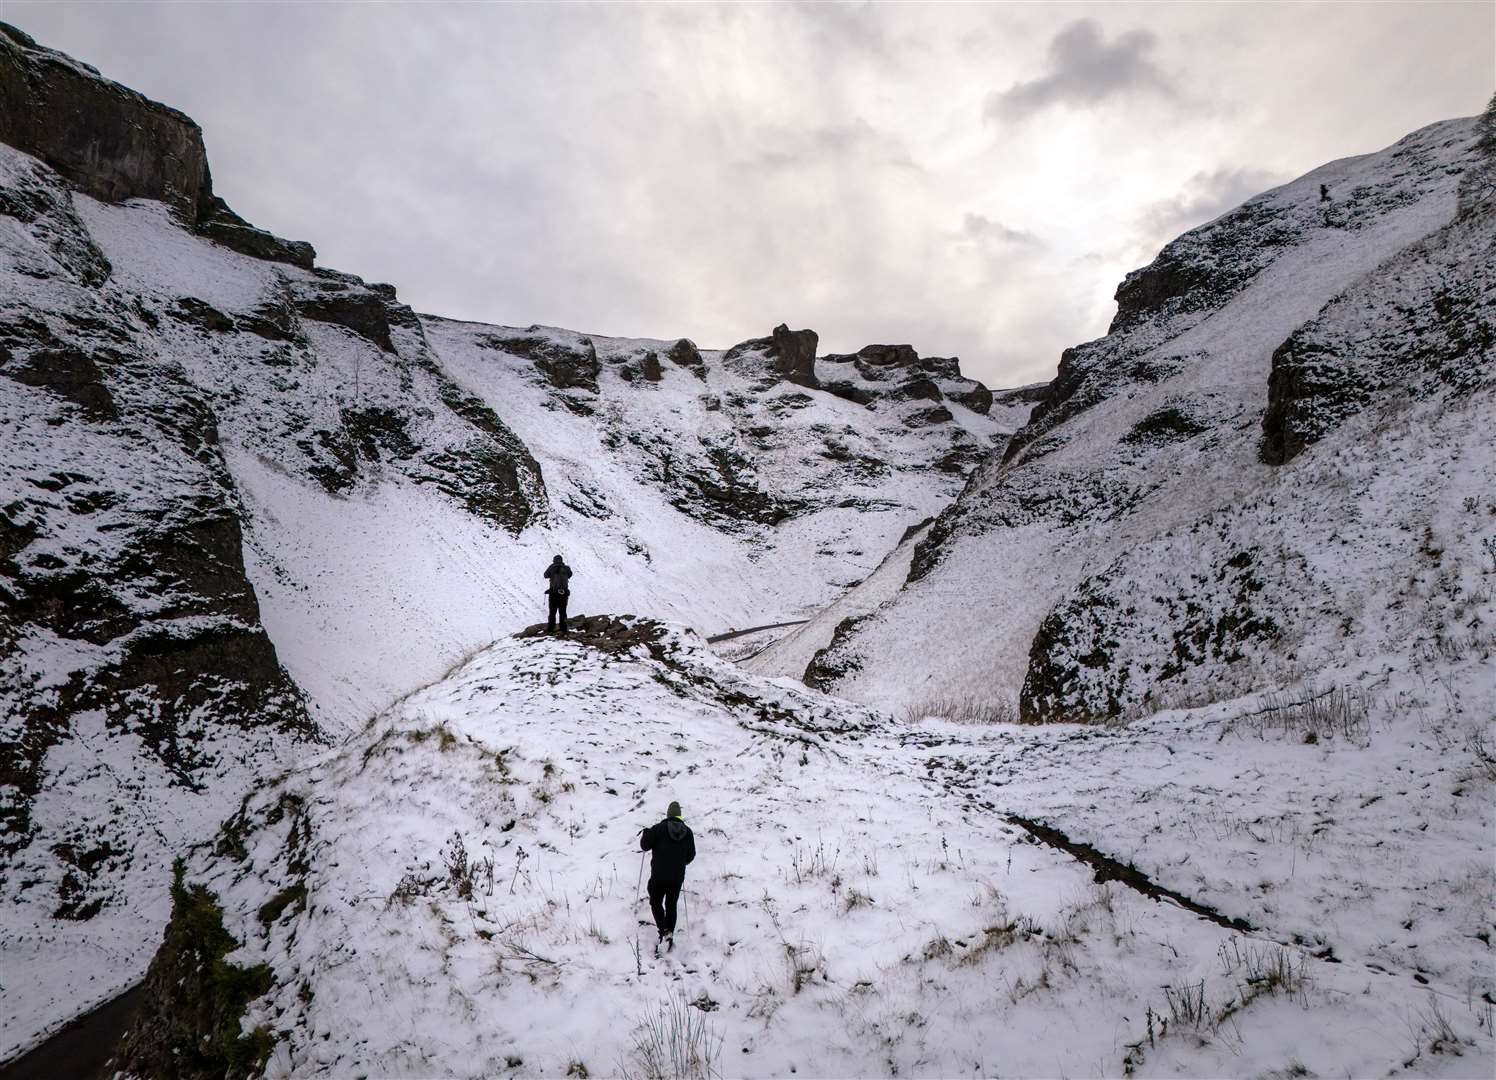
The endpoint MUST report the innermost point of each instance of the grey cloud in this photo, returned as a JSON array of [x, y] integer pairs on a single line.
[[1084, 70], [1204, 196], [983, 230], [857, 141]]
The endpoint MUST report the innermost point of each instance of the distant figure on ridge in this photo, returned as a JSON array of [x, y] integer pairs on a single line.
[[1324, 193], [558, 575], [672, 846]]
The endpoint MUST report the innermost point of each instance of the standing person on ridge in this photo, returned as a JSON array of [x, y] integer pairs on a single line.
[[671, 846], [558, 574]]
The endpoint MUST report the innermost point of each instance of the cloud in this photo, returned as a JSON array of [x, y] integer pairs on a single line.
[[982, 230], [1084, 70], [1203, 197], [857, 141]]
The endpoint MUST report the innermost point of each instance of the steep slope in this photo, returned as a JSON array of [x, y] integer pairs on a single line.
[[1136, 545], [449, 892]]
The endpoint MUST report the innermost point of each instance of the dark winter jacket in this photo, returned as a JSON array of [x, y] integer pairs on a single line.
[[672, 846], [558, 574]]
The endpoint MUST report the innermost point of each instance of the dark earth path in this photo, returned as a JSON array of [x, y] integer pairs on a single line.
[[80, 1050]]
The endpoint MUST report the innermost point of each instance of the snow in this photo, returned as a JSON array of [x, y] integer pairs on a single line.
[[859, 904], [865, 901], [379, 587]]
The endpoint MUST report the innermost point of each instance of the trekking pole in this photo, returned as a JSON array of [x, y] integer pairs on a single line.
[[639, 883]]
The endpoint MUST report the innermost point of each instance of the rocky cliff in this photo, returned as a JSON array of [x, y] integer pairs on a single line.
[[1207, 499], [116, 144]]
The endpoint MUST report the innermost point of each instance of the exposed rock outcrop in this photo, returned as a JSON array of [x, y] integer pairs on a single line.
[[791, 354], [565, 360], [117, 144], [899, 373]]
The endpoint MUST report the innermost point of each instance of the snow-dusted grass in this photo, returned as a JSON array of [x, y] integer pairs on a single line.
[[860, 904]]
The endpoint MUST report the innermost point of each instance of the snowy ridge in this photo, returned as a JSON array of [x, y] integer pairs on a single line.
[[453, 891]]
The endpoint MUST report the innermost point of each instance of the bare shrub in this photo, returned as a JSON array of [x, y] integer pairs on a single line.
[[1187, 1007], [803, 962], [964, 709], [459, 872], [673, 1042], [407, 889], [807, 863], [940, 946], [1481, 748], [1265, 970], [1339, 711]]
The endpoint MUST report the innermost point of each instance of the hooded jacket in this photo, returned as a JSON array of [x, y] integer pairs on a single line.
[[671, 846]]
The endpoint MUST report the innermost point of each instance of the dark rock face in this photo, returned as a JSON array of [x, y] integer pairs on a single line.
[[685, 354], [69, 373], [929, 417], [220, 224], [835, 662], [1422, 325], [792, 354], [1106, 647], [978, 398], [565, 364], [879, 356], [1172, 423], [116, 144], [898, 373], [1207, 266], [343, 302], [713, 481], [113, 143]]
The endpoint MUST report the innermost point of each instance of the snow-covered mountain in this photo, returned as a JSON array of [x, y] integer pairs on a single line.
[[247, 502], [1244, 484], [266, 535]]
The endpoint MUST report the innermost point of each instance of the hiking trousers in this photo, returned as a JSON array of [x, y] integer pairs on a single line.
[[663, 896], [557, 610]]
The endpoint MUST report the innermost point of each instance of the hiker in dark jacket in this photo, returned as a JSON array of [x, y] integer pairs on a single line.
[[671, 847], [558, 576]]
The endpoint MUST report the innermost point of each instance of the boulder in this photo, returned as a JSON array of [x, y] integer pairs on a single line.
[[792, 353], [685, 353], [973, 395]]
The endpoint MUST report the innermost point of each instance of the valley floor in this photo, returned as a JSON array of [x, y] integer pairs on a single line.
[[455, 891]]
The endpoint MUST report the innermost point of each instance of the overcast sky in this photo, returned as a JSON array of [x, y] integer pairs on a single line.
[[973, 179]]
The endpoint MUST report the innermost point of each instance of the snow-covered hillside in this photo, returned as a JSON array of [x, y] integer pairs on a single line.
[[266, 536], [454, 891], [247, 502], [1141, 541]]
